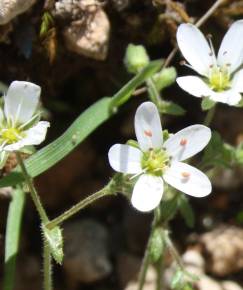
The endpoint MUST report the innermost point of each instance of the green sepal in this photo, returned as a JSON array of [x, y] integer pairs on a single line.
[[156, 246], [133, 143], [207, 104], [171, 108], [177, 280], [54, 240], [186, 211], [169, 205]]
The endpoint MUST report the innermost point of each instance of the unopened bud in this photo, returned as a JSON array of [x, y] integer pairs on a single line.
[[136, 58], [164, 78]]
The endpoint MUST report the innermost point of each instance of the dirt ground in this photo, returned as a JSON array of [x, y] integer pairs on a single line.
[[104, 244]]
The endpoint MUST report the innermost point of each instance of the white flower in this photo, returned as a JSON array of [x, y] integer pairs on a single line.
[[157, 161], [19, 124], [221, 77]]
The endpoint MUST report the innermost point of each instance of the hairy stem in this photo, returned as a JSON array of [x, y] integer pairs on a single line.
[[107, 190], [33, 192], [47, 267], [209, 116], [145, 262]]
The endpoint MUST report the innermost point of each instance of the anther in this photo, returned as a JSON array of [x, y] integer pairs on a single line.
[[185, 174], [183, 142], [182, 62], [225, 52], [148, 133]]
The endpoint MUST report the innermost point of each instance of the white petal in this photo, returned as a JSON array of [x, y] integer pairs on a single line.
[[194, 86], [147, 192], [148, 127], [237, 83], [188, 179], [231, 49], [21, 101], [230, 97], [194, 48], [187, 142], [125, 159], [34, 136]]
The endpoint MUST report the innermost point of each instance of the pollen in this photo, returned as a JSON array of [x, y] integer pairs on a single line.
[[183, 142], [10, 135], [185, 174], [148, 133]]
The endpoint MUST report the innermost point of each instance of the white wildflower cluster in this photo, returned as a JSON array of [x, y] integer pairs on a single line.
[[156, 162]]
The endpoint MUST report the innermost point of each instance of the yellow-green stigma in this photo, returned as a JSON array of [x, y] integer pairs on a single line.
[[155, 161], [219, 79], [10, 135]]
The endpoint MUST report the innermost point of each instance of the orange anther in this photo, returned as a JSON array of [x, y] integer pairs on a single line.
[[183, 142], [148, 133], [185, 174]]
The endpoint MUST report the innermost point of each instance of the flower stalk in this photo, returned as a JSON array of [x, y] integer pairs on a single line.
[[33, 192], [47, 266], [107, 190]]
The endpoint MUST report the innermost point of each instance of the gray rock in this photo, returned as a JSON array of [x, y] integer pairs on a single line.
[[85, 252], [9, 9]]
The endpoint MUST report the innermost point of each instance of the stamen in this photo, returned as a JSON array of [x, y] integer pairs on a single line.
[[183, 142], [185, 174], [212, 51], [148, 133]]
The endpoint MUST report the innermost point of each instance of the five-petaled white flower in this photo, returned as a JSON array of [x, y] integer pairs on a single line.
[[19, 126], [221, 76], [157, 161]]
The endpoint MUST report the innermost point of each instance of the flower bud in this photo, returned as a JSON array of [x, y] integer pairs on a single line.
[[164, 78], [136, 58]]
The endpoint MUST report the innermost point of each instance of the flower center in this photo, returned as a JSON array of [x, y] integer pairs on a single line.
[[155, 161], [219, 78], [10, 135]]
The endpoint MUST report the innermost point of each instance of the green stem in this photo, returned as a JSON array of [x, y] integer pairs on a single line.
[[209, 116], [13, 229], [173, 251], [145, 262], [159, 269], [33, 192], [153, 92], [47, 267], [107, 190]]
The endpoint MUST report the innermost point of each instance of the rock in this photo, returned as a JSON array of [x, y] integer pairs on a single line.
[[85, 252], [194, 262], [150, 281], [224, 248], [120, 5], [74, 9], [206, 283], [9, 9], [230, 285], [89, 36]]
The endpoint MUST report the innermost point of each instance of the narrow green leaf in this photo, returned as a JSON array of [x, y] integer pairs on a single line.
[[14, 220], [125, 92]]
